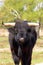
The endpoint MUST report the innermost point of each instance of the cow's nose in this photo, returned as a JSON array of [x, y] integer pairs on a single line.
[[21, 39]]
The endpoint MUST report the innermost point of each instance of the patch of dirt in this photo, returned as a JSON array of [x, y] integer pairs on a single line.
[[39, 64], [38, 49], [4, 49], [4, 32]]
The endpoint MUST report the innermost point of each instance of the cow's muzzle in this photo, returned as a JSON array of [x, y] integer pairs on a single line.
[[21, 39]]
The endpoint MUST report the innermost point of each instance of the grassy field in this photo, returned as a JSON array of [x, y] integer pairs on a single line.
[[6, 58]]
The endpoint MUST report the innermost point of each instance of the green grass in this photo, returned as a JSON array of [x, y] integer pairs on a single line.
[[37, 57], [4, 42], [40, 42], [6, 58]]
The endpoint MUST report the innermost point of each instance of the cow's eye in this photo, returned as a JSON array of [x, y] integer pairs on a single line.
[[29, 30]]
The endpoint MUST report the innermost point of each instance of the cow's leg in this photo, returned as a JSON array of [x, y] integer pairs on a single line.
[[23, 60], [16, 60], [29, 58], [26, 61], [14, 55], [13, 51], [26, 57]]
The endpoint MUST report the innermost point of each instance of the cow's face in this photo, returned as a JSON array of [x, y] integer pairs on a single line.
[[20, 32], [23, 33]]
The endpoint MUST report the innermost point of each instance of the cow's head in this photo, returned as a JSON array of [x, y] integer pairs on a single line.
[[23, 32]]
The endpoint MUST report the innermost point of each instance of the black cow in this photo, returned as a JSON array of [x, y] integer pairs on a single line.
[[22, 38]]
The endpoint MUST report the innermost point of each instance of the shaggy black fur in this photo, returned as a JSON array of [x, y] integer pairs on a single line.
[[22, 39]]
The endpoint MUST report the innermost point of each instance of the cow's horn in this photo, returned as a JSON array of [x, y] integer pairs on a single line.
[[33, 24], [9, 24]]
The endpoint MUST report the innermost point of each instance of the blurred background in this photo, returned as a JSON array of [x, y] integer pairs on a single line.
[[30, 10]]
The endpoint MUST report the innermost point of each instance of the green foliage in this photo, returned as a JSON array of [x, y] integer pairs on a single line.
[[18, 5]]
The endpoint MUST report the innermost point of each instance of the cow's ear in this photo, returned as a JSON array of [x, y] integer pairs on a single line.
[[11, 30], [29, 29], [35, 35], [9, 26]]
